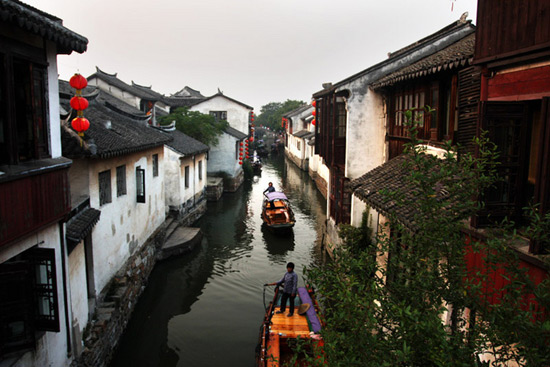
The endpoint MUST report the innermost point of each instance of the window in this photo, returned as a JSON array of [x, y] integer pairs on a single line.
[[200, 170], [121, 180], [104, 187], [140, 185], [23, 114], [155, 165], [186, 177], [219, 115], [298, 145], [28, 298], [341, 120]]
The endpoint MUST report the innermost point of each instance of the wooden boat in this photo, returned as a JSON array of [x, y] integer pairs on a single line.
[[276, 211], [279, 332]]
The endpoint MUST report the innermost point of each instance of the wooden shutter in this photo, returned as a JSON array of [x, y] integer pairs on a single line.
[[469, 93]]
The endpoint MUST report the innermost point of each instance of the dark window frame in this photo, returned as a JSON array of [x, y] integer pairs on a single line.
[[24, 128], [105, 192], [155, 159], [140, 184], [28, 303], [186, 171], [200, 170], [121, 189], [219, 115]]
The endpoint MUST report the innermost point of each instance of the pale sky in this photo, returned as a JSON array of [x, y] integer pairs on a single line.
[[255, 51]]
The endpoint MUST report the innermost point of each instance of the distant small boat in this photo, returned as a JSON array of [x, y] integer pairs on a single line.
[[276, 211], [278, 332], [256, 166]]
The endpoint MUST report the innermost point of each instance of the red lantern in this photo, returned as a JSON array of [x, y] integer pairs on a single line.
[[80, 124], [77, 81], [240, 162], [314, 113], [241, 143], [314, 103], [251, 139], [79, 103], [313, 122], [241, 149]]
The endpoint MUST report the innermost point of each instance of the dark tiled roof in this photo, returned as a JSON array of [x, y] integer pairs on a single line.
[[235, 133], [176, 102], [393, 177], [79, 226], [138, 91], [185, 144], [125, 134], [42, 24], [187, 92], [458, 54], [297, 111], [226, 97], [407, 55], [304, 134]]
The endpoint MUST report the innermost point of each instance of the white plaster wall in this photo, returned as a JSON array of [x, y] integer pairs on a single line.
[[116, 92], [125, 224], [293, 147], [174, 179], [176, 192], [78, 286], [223, 156], [79, 180], [366, 130], [53, 101], [237, 115]]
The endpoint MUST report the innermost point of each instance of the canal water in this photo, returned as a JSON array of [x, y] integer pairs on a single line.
[[205, 308]]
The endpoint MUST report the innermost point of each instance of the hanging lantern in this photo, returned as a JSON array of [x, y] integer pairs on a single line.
[[251, 139], [77, 81], [314, 113], [79, 103], [314, 103], [241, 149], [313, 122], [240, 162], [80, 124]]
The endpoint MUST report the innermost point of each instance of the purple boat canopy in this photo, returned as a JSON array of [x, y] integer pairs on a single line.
[[276, 195]]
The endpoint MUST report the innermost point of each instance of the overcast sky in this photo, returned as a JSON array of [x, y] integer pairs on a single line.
[[255, 51]]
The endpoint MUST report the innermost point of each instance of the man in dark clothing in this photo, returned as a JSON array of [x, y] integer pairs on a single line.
[[290, 287], [270, 188]]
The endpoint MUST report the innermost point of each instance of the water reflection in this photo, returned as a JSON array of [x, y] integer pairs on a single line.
[[205, 308]]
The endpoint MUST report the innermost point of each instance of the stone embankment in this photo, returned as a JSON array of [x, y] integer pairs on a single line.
[[116, 304]]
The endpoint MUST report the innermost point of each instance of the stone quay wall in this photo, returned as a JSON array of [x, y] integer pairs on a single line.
[[116, 304]]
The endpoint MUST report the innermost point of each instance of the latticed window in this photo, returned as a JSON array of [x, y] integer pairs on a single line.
[[105, 187], [28, 299], [155, 165], [121, 180], [200, 170]]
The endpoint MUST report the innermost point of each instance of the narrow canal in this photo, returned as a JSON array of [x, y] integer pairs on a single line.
[[205, 308]]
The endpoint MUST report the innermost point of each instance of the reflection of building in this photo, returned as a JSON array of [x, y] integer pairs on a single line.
[[35, 313]]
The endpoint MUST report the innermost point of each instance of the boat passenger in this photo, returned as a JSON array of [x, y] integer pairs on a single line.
[[270, 188], [290, 287]]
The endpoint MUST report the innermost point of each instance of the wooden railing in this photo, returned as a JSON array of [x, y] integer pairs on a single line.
[[31, 201]]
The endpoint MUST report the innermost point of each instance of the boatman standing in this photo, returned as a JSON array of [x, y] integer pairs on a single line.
[[270, 188], [290, 287]]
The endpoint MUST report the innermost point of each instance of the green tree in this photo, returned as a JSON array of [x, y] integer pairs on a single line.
[[271, 113], [202, 127], [380, 313]]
